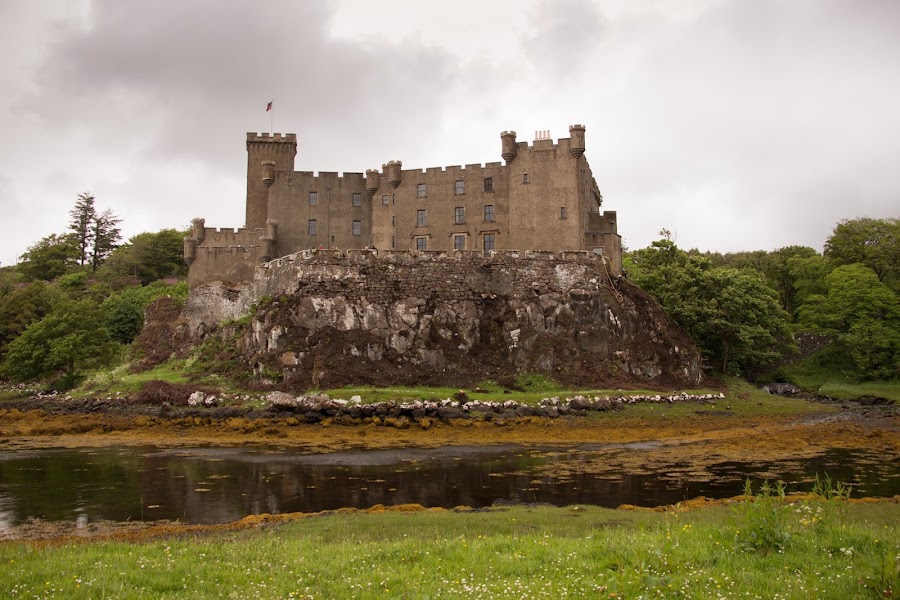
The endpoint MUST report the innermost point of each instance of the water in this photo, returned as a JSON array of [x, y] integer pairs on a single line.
[[218, 485]]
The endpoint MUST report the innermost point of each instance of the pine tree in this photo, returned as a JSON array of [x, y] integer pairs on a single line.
[[83, 215], [106, 236]]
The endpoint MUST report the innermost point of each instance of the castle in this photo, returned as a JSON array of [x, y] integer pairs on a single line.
[[543, 198]]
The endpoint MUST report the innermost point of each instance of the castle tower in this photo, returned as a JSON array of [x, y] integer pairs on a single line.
[[372, 176], [266, 155], [576, 135], [508, 147], [393, 172]]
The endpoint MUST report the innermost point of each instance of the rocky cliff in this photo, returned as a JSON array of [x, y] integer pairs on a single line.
[[328, 319]]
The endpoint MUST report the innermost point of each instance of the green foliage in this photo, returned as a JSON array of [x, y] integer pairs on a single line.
[[49, 258], [20, 308], [73, 282], [872, 242], [734, 317], [69, 339], [124, 310], [763, 518], [865, 315], [145, 258], [775, 268]]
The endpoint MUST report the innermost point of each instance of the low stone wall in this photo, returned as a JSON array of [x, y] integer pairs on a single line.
[[319, 408]]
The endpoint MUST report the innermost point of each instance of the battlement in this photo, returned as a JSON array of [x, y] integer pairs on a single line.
[[288, 138]]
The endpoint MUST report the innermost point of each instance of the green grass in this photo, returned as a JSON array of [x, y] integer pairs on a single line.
[[825, 372], [851, 391], [120, 380], [522, 552]]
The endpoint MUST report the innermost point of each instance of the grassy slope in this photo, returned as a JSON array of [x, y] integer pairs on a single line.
[[522, 552]]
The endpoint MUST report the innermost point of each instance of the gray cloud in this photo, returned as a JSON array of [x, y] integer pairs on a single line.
[[739, 125]]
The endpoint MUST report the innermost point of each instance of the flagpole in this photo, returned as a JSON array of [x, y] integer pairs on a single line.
[[272, 118]]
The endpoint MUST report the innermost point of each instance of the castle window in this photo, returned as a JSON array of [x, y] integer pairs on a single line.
[[421, 218], [313, 198], [524, 177], [562, 212], [421, 191], [488, 242], [459, 242], [384, 200], [459, 215], [489, 184], [460, 187], [489, 213], [393, 198], [357, 199], [393, 241], [421, 243], [393, 220], [357, 227], [311, 227]]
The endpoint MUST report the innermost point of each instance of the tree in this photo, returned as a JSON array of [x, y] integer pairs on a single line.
[[147, 257], [864, 314], [732, 314], [106, 236], [20, 308], [83, 215], [872, 242], [70, 338], [49, 258]]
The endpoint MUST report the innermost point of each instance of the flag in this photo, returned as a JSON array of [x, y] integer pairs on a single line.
[[268, 107]]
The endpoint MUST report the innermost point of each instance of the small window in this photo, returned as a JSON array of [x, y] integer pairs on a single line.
[[489, 184], [384, 200], [393, 198], [524, 177], [488, 242], [357, 199], [421, 191], [393, 220], [393, 241], [459, 215], [562, 212], [421, 244], [489, 212], [357, 227], [313, 198], [459, 242], [460, 187], [312, 227], [421, 218]]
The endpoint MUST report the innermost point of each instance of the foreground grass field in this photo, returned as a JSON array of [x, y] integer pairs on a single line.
[[804, 549]]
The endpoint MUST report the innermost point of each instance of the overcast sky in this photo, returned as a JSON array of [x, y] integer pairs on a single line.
[[736, 124]]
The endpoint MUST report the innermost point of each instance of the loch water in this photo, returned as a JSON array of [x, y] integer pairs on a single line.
[[218, 485]]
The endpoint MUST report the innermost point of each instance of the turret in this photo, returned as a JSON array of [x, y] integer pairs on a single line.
[[191, 242], [266, 155], [268, 172], [393, 172], [576, 140], [198, 229], [372, 177], [508, 147], [269, 240]]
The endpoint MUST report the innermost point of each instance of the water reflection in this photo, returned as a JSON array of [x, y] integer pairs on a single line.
[[219, 485]]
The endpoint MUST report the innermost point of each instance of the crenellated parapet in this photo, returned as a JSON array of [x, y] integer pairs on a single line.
[[229, 255]]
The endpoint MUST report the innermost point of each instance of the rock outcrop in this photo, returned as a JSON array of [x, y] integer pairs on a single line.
[[328, 319]]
